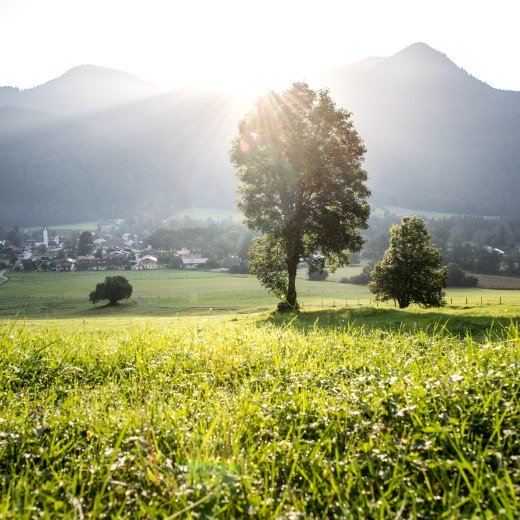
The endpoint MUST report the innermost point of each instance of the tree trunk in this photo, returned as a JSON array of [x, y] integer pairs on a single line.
[[403, 303], [292, 266]]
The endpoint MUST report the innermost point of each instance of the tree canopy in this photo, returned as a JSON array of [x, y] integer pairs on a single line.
[[410, 270], [113, 289], [299, 163], [86, 243]]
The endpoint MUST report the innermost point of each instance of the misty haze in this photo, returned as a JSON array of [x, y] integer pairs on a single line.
[[259, 260], [106, 144]]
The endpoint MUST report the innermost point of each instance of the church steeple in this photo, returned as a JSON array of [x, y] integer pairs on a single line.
[[45, 236]]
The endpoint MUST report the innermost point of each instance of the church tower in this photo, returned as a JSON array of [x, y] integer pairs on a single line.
[[45, 236]]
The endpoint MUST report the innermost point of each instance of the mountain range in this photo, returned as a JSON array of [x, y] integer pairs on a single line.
[[99, 143]]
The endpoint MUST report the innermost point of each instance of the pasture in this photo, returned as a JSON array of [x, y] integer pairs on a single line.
[[167, 292]]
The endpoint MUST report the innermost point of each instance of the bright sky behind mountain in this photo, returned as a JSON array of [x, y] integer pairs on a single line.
[[252, 45]]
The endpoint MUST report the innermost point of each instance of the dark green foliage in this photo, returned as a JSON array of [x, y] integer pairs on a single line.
[[318, 275], [14, 237], [212, 263], [82, 265], [241, 268], [113, 289], [487, 261], [299, 162], [86, 243], [169, 259], [458, 278], [213, 241], [267, 263], [176, 262], [410, 270], [512, 262], [363, 278]]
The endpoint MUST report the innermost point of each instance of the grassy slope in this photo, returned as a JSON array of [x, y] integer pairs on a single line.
[[166, 292], [358, 412]]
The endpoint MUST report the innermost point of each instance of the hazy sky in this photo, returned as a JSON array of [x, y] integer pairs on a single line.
[[250, 43]]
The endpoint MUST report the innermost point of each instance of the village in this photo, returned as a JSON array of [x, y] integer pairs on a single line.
[[107, 249]]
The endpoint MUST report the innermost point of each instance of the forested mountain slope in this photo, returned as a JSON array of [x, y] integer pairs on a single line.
[[437, 138], [100, 143]]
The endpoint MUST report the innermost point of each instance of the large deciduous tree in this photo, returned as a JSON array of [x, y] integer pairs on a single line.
[[299, 163], [410, 270]]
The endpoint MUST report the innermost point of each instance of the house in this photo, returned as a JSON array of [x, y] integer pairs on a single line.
[[117, 263], [98, 264], [10, 252], [490, 249], [46, 263], [118, 255], [191, 262], [146, 262], [66, 264], [114, 243]]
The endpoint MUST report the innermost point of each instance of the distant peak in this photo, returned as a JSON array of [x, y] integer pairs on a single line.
[[420, 45], [91, 70], [421, 50]]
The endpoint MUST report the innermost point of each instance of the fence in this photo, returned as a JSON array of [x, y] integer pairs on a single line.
[[210, 299], [450, 301]]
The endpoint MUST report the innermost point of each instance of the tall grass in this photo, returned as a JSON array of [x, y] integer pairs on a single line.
[[259, 418]]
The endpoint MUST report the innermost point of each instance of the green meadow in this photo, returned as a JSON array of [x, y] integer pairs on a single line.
[[167, 292], [190, 401]]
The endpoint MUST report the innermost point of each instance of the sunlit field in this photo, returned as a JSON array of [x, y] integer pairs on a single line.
[[362, 413], [195, 400], [168, 292]]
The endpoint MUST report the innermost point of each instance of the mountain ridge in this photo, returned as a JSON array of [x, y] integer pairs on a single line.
[[438, 139], [82, 89]]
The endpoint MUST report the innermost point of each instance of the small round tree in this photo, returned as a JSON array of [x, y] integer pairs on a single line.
[[410, 270], [113, 289]]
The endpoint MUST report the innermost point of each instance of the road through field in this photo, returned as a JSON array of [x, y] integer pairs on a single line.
[[3, 278]]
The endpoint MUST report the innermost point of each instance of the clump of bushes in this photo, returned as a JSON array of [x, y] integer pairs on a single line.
[[318, 275], [459, 278], [362, 278]]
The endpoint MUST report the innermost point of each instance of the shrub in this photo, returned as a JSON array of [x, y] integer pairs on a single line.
[[363, 278], [459, 278], [318, 275], [113, 289], [284, 307], [212, 263]]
